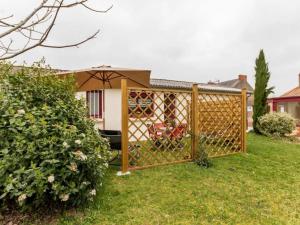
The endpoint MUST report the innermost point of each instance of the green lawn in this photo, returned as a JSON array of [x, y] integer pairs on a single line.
[[169, 151], [260, 187]]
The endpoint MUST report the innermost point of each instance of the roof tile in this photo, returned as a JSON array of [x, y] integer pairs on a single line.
[[292, 93]]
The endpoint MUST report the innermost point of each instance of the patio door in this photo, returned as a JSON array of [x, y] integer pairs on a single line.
[[169, 107]]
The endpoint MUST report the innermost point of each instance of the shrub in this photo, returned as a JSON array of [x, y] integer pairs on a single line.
[[276, 124], [50, 152], [201, 157]]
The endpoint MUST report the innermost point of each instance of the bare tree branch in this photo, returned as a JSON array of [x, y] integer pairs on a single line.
[[22, 22], [70, 5], [5, 18], [35, 28], [72, 45], [94, 10]]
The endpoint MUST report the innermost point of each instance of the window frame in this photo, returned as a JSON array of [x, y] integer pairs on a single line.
[[98, 115]]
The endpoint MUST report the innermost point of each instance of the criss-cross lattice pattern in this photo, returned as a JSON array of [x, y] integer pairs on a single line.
[[220, 123], [159, 127]]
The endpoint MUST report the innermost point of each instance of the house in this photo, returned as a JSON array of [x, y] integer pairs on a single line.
[[100, 88], [240, 83], [160, 121], [289, 102]]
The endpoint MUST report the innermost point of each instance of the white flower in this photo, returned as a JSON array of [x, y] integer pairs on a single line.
[[73, 167], [51, 178], [80, 155], [64, 197], [106, 165], [66, 145], [21, 111], [99, 156], [78, 142], [82, 135], [84, 183], [93, 192], [83, 157], [22, 197]]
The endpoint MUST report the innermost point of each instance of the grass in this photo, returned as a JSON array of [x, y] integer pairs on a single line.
[[149, 153], [169, 151], [259, 187]]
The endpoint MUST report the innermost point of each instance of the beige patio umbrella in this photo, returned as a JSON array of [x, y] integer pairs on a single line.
[[107, 77]]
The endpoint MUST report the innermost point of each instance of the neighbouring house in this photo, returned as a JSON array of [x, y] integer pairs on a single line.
[[289, 102], [100, 87], [240, 83]]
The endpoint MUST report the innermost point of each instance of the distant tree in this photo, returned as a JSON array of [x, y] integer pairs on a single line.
[[261, 92], [17, 37]]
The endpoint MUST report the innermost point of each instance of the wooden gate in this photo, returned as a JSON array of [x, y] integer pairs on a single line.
[[164, 126]]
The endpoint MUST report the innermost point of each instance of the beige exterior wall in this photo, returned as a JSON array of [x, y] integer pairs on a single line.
[[183, 102], [112, 109]]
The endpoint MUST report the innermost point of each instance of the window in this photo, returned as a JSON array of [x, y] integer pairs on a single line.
[[140, 104], [281, 108], [94, 101]]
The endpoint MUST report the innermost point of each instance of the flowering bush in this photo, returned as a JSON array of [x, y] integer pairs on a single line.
[[49, 150], [276, 124]]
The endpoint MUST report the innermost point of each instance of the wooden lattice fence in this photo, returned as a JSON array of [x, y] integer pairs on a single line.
[[163, 126], [220, 122]]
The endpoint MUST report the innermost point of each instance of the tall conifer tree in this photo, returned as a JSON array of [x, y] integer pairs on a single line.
[[261, 92]]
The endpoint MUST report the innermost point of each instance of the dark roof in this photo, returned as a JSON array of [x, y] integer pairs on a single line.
[[164, 83], [236, 83], [175, 84]]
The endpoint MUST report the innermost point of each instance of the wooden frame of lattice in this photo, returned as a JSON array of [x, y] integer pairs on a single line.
[[164, 126]]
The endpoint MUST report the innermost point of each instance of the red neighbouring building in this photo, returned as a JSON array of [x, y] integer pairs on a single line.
[[288, 102]]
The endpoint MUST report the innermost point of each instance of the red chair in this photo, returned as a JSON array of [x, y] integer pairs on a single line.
[[156, 133], [179, 132], [154, 130]]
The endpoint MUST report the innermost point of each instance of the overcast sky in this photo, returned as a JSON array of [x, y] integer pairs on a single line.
[[195, 40]]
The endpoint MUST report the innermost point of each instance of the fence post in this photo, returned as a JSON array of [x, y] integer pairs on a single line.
[[124, 94], [194, 120], [244, 119]]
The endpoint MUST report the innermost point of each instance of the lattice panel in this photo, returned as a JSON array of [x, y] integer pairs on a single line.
[[220, 123], [159, 127]]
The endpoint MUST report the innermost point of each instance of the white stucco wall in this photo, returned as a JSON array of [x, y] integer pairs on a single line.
[[112, 108]]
